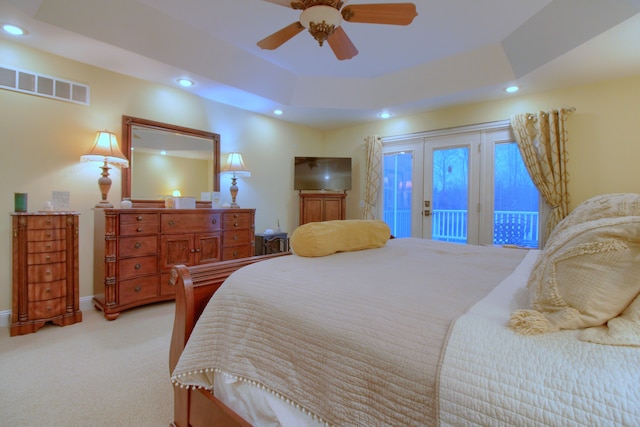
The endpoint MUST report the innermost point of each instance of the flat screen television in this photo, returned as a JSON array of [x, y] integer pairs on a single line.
[[322, 173]]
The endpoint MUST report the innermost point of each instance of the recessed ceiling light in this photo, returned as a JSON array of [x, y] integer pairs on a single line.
[[186, 82], [278, 112], [512, 89], [384, 115], [13, 29]]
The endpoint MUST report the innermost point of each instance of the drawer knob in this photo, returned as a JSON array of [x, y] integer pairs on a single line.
[[172, 222], [235, 215], [139, 229], [214, 221], [48, 308], [48, 222], [139, 218], [48, 290], [138, 245], [48, 272], [137, 289], [235, 254], [235, 224], [48, 257], [48, 234], [138, 266], [48, 246]]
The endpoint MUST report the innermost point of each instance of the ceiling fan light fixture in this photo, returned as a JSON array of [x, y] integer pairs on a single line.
[[321, 21]]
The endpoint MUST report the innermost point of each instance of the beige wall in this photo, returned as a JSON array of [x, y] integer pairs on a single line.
[[42, 140], [604, 142]]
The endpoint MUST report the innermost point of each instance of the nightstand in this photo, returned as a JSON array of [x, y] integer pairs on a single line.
[[271, 243]]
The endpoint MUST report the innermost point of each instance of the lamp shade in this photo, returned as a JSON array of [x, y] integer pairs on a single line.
[[105, 149], [236, 165]]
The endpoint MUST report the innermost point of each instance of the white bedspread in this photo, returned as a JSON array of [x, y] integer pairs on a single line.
[[354, 338], [491, 376]]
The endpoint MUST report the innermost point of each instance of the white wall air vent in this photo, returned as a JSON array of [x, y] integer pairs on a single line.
[[38, 84]]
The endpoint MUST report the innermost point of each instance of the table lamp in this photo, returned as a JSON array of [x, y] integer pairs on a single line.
[[235, 165], [105, 149]]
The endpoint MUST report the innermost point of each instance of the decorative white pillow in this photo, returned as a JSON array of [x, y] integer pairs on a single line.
[[603, 206], [585, 277], [621, 330], [316, 239]]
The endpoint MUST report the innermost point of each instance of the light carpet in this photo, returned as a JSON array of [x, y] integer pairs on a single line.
[[93, 373]]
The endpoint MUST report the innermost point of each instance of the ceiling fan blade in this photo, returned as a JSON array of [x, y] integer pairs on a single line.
[[285, 3], [382, 13], [278, 38], [341, 45]]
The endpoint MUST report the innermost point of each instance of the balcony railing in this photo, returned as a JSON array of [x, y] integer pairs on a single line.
[[449, 225]]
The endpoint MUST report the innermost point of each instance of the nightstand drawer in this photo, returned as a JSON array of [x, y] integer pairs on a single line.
[[139, 266], [137, 245], [48, 221], [46, 309], [46, 291], [133, 290], [45, 235], [46, 272], [46, 257], [49, 246]]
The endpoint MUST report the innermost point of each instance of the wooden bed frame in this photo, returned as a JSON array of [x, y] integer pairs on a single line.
[[194, 287]]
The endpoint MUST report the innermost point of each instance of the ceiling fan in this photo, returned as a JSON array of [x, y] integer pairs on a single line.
[[323, 19]]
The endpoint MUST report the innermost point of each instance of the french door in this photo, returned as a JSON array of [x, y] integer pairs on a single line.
[[451, 188], [465, 186]]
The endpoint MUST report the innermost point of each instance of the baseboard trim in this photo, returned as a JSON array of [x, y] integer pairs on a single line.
[[5, 315]]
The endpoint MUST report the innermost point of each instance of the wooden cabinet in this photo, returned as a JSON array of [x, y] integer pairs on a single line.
[[316, 207], [135, 250], [45, 271]]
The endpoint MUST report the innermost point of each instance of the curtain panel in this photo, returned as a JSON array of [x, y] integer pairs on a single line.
[[542, 139], [373, 177]]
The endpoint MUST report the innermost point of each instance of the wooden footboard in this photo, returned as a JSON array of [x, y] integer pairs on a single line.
[[194, 287]]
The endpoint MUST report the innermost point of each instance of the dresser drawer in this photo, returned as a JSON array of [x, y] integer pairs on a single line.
[[137, 245], [46, 291], [131, 229], [133, 290], [45, 235], [46, 272], [189, 223], [132, 224], [47, 246], [38, 221], [46, 309], [233, 220], [237, 238], [46, 257], [236, 252], [139, 266]]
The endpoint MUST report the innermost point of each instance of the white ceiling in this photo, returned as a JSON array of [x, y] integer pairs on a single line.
[[455, 51]]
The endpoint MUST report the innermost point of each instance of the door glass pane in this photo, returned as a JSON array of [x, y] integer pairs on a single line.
[[450, 194], [398, 170], [515, 208]]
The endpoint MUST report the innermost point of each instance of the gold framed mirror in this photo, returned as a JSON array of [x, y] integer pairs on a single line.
[[166, 159]]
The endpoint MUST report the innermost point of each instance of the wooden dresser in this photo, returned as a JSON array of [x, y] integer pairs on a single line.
[[316, 207], [45, 270], [135, 249]]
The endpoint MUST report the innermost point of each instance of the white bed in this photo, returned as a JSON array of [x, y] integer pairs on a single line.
[[406, 334]]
